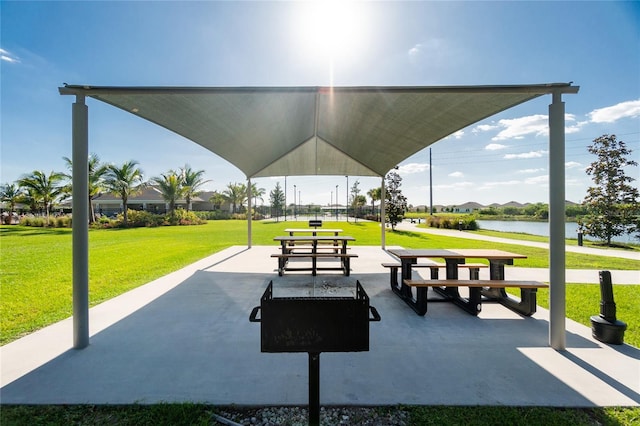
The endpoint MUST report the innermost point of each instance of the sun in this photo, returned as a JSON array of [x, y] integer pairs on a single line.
[[330, 30]]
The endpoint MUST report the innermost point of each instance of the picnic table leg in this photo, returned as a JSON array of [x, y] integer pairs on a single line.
[[452, 274], [405, 290], [393, 278], [528, 296], [473, 304], [346, 265]]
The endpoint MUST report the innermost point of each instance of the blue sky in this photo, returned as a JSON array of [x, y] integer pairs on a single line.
[[596, 45]]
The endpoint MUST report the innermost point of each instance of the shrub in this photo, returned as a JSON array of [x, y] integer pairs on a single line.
[[104, 223], [61, 222], [31, 220], [140, 218], [213, 215], [183, 217], [452, 222]]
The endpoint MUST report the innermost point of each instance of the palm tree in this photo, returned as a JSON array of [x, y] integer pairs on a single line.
[[124, 181], [375, 194], [97, 172], [170, 186], [12, 194], [236, 193], [217, 199], [43, 189], [191, 182], [256, 194]]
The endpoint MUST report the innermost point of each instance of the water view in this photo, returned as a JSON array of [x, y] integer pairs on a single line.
[[542, 228]]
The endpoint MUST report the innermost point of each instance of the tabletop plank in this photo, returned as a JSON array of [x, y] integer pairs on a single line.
[[455, 253]]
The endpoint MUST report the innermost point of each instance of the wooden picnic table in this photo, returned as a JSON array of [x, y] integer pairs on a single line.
[[493, 289], [310, 246]]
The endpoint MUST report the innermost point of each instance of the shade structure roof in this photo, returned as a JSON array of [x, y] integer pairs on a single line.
[[297, 131]]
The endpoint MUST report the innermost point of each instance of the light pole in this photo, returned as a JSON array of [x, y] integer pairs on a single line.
[[347, 198], [336, 202], [295, 213]]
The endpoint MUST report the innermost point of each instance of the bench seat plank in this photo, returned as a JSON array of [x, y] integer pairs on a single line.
[[289, 255], [479, 291], [345, 264], [476, 283]]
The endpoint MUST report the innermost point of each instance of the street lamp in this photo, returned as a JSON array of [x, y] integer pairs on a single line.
[[336, 202], [347, 198], [295, 213]]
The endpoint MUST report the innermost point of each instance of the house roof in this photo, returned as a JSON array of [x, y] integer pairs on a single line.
[[295, 131]]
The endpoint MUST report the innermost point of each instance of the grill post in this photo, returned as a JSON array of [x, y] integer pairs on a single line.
[[314, 388]]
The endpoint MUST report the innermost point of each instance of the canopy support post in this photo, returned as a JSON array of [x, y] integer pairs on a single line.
[[383, 215], [557, 290], [249, 212], [80, 221]]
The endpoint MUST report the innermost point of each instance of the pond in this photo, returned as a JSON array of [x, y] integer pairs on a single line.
[[542, 228]]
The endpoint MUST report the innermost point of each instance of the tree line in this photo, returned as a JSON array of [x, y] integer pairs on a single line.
[[610, 208], [40, 191]]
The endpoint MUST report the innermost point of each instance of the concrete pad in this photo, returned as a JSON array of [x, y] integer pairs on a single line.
[[187, 337]]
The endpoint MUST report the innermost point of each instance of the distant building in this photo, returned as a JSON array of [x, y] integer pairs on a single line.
[[150, 199]]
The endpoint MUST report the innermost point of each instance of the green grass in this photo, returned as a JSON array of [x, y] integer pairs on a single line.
[[200, 414], [583, 301], [36, 274]]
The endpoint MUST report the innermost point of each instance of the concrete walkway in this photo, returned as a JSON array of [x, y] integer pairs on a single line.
[[186, 337]]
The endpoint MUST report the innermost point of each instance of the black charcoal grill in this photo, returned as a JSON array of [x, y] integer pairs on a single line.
[[314, 325]]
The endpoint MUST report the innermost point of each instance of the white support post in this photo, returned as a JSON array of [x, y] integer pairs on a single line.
[[249, 215], [383, 224], [557, 295], [80, 222]]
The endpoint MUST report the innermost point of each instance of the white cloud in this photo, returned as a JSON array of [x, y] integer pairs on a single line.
[[492, 185], [628, 109], [528, 171], [456, 174], [518, 128], [537, 180], [495, 146], [455, 186], [484, 128], [8, 57], [572, 164], [537, 125], [412, 168], [458, 135], [415, 50], [530, 154]]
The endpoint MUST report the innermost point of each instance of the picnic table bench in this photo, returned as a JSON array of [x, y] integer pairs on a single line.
[[492, 290], [301, 247], [479, 290]]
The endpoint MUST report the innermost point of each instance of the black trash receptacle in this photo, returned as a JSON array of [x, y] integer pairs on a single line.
[[606, 327]]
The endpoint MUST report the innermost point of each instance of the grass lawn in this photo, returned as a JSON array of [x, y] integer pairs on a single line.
[[36, 262], [200, 414], [36, 291]]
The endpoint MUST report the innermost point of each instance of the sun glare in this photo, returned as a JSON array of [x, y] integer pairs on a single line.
[[330, 30]]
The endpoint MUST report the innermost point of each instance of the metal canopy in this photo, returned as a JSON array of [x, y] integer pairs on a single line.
[[361, 131], [295, 131]]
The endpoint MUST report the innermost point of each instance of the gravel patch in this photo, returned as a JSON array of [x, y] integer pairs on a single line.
[[298, 416]]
